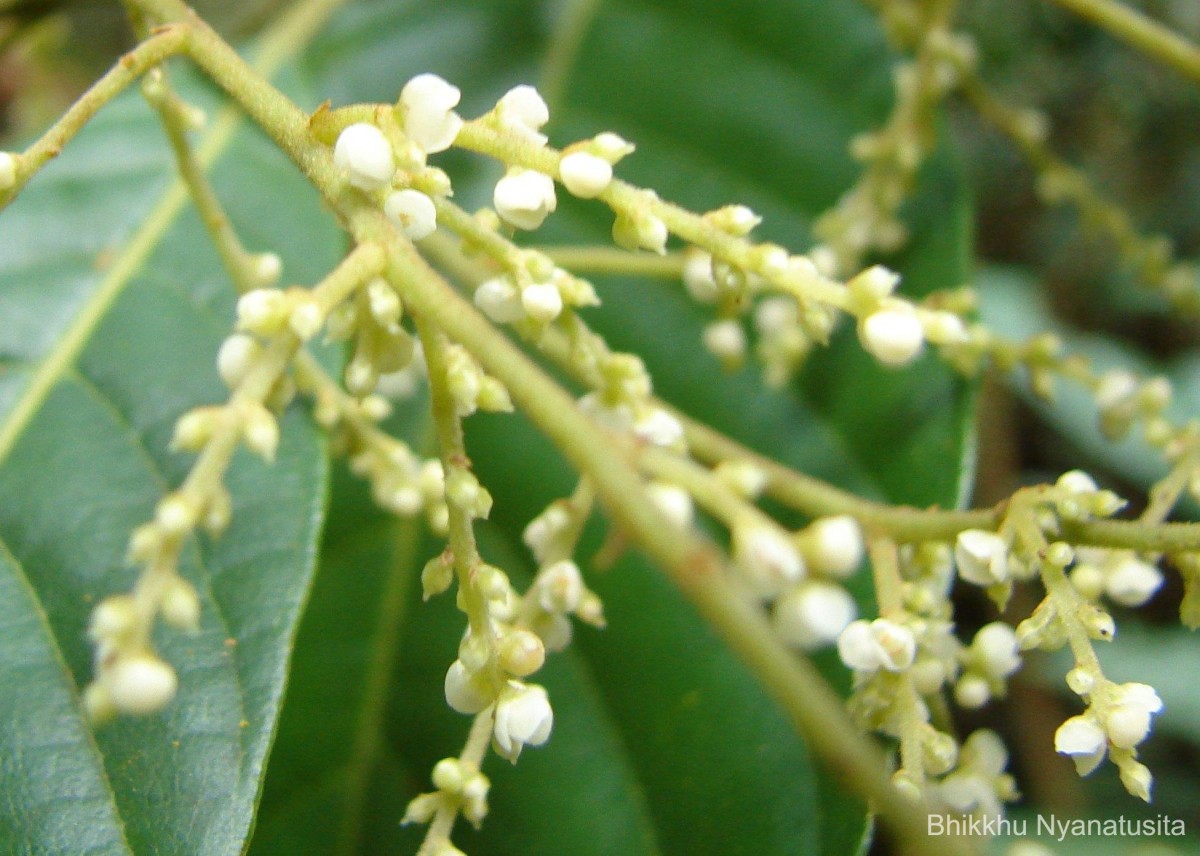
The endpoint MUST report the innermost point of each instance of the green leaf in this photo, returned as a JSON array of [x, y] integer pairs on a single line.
[[114, 305], [662, 743]]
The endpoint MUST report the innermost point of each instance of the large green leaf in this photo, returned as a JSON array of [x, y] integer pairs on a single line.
[[663, 742], [113, 305]]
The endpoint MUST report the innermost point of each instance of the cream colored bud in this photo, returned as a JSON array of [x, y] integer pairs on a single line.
[[466, 692], [366, 156], [194, 428], [113, 620], [524, 197], [180, 604], [260, 431], [521, 653], [584, 174], [894, 335], [306, 318], [542, 301], [175, 514], [833, 545], [266, 269], [140, 684], [235, 357], [413, 212], [499, 299]]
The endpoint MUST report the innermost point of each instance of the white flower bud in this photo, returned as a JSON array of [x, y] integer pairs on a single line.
[[982, 557], [813, 614], [175, 514], [894, 336], [1132, 582], [235, 357], [1081, 681], [466, 692], [611, 147], [449, 776], [1114, 388], [726, 340], [745, 478], [523, 111], [1076, 482], [98, 703], [413, 212], [585, 175], [113, 619], [871, 645], [560, 587], [306, 318], [422, 808], [833, 545], [698, 275], [659, 428], [544, 530], [8, 170], [500, 301], [181, 605], [874, 284], [429, 117], [738, 220], [521, 653], [438, 572], [972, 692], [193, 429], [365, 154], [542, 301], [1136, 778], [1084, 740], [140, 684], [673, 501], [266, 268], [260, 430], [996, 644], [766, 557], [524, 197], [943, 328], [263, 311], [523, 718], [1127, 721]]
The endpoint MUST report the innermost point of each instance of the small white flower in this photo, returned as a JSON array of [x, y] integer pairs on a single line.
[[499, 300], [834, 545], [726, 340], [1114, 388], [673, 501], [813, 614], [465, 692], [544, 531], [1076, 482], [181, 605], [263, 311], [140, 684], [1084, 740], [982, 557], [429, 117], [874, 284], [584, 174], [997, 646], [894, 335], [659, 428], [766, 557], [523, 718], [560, 587], [365, 154], [1132, 582], [698, 275], [743, 476], [523, 110], [524, 197], [413, 212], [1127, 720], [614, 417], [542, 301], [880, 644]]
